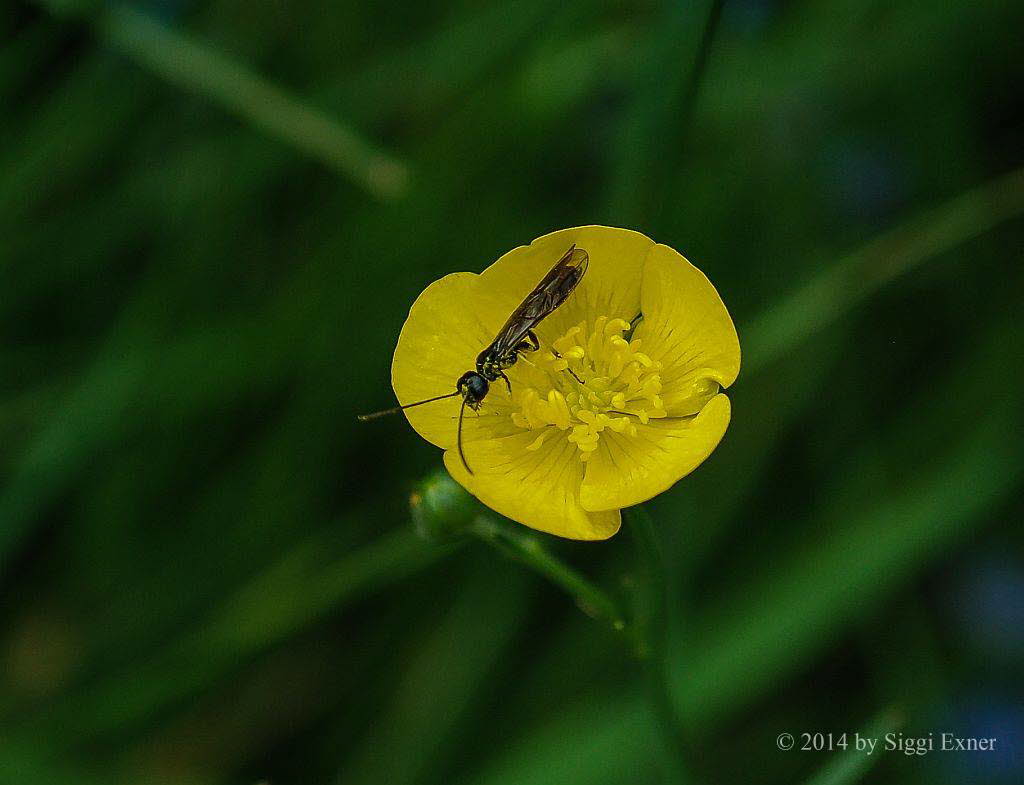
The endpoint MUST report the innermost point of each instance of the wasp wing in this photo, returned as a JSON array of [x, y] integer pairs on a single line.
[[546, 296]]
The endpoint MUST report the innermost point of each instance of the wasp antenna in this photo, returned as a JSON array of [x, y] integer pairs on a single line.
[[397, 409], [458, 439]]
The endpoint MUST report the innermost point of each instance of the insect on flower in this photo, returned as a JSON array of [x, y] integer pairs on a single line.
[[514, 339], [616, 377]]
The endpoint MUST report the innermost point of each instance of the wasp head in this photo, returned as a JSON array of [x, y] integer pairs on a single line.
[[473, 387]]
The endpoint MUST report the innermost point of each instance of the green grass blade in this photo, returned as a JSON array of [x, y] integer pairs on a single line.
[[190, 65], [852, 765], [840, 287]]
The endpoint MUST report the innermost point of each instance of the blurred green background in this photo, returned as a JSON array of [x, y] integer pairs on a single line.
[[213, 219]]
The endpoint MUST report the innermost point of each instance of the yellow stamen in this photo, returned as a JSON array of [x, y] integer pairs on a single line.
[[620, 387]]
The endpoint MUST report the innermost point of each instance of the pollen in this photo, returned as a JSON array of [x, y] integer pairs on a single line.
[[592, 379]]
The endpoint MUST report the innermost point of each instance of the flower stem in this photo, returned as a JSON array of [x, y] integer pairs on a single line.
[[516, 542], [651, 629]]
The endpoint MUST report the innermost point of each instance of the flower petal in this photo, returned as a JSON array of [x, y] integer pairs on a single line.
[[439, 342], [610, 287], [628, 470], [537, 487], [686, 328]]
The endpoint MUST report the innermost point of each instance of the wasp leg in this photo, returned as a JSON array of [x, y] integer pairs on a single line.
[[569, 371], [633, 325], [530, 344], [572, 373], [507, 382]]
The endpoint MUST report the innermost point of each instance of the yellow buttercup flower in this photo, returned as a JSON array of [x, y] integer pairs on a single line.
[[649, 344]]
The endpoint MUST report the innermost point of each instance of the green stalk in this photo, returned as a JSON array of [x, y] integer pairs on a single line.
[[518, 543], [651, 628]]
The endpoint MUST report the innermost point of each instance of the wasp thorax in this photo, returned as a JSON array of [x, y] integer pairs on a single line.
[[600, 384]]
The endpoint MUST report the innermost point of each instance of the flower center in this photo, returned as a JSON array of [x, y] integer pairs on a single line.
[[594, 380]]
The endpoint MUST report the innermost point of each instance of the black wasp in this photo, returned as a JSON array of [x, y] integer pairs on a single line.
[[516, 337]]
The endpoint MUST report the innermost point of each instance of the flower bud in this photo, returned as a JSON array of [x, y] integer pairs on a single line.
[[441, 508]]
